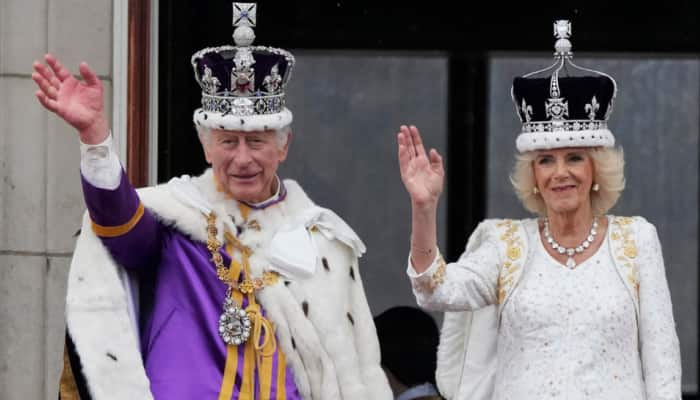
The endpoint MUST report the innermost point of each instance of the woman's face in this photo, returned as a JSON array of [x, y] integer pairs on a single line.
[[564, 178]]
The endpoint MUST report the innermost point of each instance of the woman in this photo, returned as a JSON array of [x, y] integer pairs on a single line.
[[582, 306]]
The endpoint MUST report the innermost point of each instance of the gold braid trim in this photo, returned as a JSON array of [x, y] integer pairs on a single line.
[[119, 230], [626, 250], [263, 344], [510, 266], [261, 325]]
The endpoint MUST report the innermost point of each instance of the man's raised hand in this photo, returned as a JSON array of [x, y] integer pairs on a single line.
[[80, 104]]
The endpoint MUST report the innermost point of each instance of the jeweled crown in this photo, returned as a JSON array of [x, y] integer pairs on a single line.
[[243, 85], [564, 111]]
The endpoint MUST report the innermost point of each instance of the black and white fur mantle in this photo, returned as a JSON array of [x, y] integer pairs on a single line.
[[323, 324]]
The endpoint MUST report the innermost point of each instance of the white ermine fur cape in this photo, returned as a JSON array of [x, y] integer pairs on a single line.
[[323, 323]]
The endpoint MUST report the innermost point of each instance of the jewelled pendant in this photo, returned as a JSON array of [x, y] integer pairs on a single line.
[[570, 263], [234, 323]]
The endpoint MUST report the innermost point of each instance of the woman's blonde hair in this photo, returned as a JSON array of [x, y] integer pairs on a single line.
[[608, 173]]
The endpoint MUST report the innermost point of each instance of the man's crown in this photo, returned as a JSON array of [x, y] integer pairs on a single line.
[[243, 85]]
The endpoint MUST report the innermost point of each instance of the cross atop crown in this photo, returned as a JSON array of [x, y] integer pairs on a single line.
[[244, 14], [562, 31], [244, 20], [563, 111]]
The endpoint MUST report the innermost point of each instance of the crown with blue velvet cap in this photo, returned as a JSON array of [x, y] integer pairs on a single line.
[[243, 85], [558, 109]]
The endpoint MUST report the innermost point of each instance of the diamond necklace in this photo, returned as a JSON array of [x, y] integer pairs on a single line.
[[570, 251]]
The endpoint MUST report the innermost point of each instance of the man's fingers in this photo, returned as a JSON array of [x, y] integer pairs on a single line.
[[55, 82], [46, 74], [90, 77], [44, 85], [58, 69], [49, 104]]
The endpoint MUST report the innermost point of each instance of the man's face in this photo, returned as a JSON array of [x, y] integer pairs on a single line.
[[245, 163]]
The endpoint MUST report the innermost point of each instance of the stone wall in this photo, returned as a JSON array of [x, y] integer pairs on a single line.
[[40, 197]]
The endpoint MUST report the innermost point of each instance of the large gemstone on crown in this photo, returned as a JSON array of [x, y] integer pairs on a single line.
[[261, 106], [223, 106], [276, 103], [243, 106]]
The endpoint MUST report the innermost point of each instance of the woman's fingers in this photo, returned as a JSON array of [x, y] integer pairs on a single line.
[[417, 141], [409, 140], [413, 141], [411, 152], [422, 174], [436, 162], [404, 157]]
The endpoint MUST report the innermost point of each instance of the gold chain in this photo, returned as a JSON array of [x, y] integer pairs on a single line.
[[248, 285]]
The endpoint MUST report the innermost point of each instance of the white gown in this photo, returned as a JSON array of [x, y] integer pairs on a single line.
[[569, 334]]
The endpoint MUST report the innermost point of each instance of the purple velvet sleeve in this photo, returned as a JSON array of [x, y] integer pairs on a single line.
[[133, 242]]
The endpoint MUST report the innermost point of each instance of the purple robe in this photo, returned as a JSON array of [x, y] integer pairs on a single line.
[[183, 354]]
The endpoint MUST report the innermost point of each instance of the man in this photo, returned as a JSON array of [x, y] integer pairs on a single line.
[[254, 291]]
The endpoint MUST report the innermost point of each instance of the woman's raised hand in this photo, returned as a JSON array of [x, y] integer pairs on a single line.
[[422, 174], [80, 104]]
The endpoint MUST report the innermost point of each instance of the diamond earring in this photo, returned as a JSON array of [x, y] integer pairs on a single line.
[[535, 190], [595, 187]]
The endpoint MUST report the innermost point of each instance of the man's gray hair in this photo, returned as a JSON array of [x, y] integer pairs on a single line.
[[281, 134]]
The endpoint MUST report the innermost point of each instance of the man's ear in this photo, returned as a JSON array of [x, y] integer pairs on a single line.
[[205, 147], [285, 149]]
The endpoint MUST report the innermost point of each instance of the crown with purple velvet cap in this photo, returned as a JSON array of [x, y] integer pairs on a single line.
[[564, 111], [243, 85]]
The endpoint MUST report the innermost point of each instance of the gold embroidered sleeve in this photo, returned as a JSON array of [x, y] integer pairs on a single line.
[[438, 277], [468, 283], [428, 280]]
